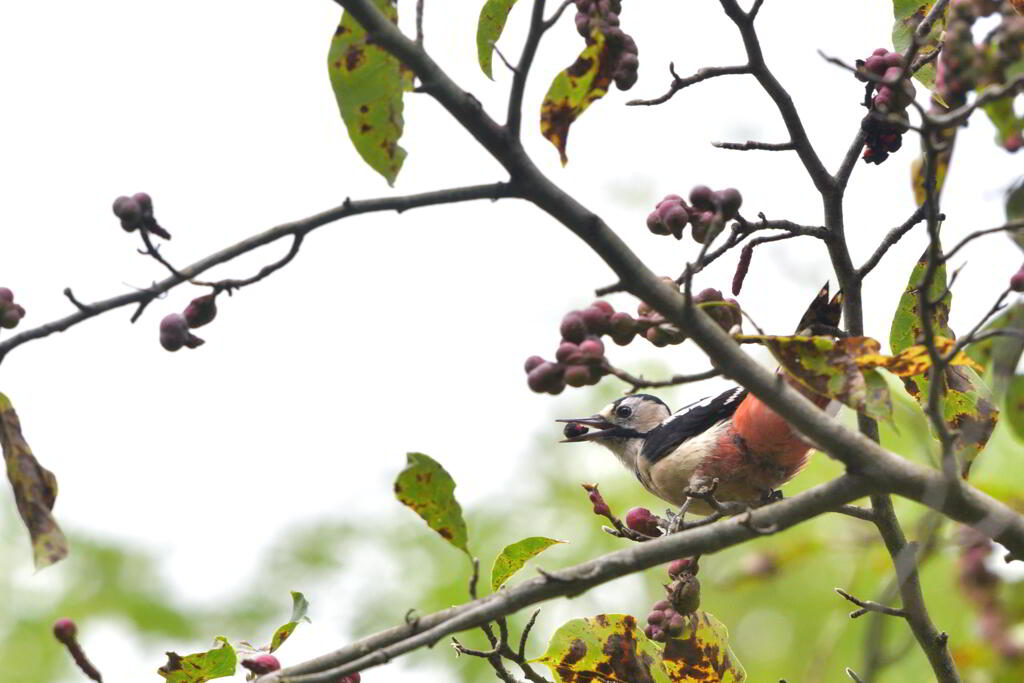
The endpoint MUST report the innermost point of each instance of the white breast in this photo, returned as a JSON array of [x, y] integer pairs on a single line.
[[671, 475]]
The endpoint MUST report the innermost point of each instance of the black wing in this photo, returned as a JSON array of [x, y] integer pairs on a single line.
[[690, 422]]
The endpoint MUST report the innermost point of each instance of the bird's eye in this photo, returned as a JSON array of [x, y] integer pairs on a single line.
[[623, 411]]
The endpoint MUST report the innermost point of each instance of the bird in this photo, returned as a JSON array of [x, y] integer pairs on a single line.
[[731, 445]]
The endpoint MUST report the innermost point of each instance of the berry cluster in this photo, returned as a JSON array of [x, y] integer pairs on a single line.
[[603, 16], [892, 95], [667, 618], [136, 212], [964, 66], [10, 312], [580, 360], [672, 213], [175, 328]]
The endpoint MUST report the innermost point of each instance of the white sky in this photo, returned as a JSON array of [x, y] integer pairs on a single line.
[[388, 333]]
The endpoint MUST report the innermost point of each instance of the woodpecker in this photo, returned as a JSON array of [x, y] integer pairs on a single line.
[[734, 438]]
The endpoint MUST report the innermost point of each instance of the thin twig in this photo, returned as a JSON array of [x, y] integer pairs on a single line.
[[1012, 226], [678, 82], [638, 382], [869, 606], [753, 144], [513, 119], [891, 238]]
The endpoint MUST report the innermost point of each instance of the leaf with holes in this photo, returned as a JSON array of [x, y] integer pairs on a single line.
[[575, 88], [907, 15], [488, 30], [429, 490], [613, 649], [514, 556], [299, 608], [368, 84], [35, 490], [201, 666]]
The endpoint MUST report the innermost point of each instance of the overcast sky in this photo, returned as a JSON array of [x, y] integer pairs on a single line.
[[388, 333]]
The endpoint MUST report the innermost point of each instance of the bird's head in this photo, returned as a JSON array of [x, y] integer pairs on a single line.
[[621, 426]]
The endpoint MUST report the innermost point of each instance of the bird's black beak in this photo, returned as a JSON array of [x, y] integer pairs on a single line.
[[602, 426]]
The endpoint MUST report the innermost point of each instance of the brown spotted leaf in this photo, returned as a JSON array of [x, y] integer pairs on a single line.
[[368, 83], [488, 30], [914, 360], [35, 490], [299, 607], [967, 405], [612, 648], [702, 653], [201, 666], [429, 490], [829, 367], [907, 14], [575, 88]]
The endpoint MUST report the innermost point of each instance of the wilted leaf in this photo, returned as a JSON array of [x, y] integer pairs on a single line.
[[513, 557], [299, 607], [702, 653], [428, 489], [35, 490], [907, 14], [368, 83], [1014, 406], [488, 30], [574, 89], [914, 360], [611, 648], [201, 666], [829, 368]]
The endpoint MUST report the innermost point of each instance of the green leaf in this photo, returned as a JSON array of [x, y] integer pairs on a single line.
[[907, 14], [1014, 406], [611, 648], [574, 89], [1000, 355], [907, 329], [1015, 209], [299, 607], [1009, 126], [428, 489], [488, 30], [514, 556], [201, 666], [35, 490], [368, 83], [967, 406]]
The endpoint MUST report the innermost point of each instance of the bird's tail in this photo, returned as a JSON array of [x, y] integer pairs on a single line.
[[823, 314]]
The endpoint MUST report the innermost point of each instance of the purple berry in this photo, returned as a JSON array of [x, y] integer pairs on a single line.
[[64, 630], [702, 198], [592, 349], [656, 225], [655, 617], [201, 310], [567, 352], [875, 64], [545, 377], [173, 331], [573, 328], [729, 200], [596, 319], [532, 362], [6, 296], [261, 664], [145, 203], [677, 567], [11, 315], [676, 218], [640, 519], [574, 429], [1017, 281], [577, 375]]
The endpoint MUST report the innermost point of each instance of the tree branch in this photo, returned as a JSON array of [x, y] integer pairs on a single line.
[[293, 229], [678, 82]]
